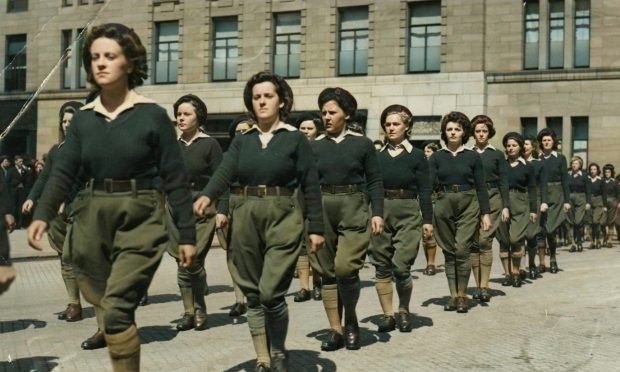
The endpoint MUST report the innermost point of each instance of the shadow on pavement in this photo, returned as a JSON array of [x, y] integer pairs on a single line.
[[223, 319], [367, 336], [37, 363], [163, 298], [20, 325], [299, 360], [220, 288], [150, 334]]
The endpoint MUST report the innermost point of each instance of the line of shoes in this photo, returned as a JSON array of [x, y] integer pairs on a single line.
[[304, 295], [349, 338]]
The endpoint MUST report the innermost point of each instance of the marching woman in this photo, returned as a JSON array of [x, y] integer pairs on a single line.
[[580, 199], [270, 161], [428, 241], [596, 216], [127, 147], [202, 155], [348, 171], [612, 195], [534, 235], [523, 207], [408, 214], [495, 168], [58, 226], [554, 191], [311, 126], [462, 204]]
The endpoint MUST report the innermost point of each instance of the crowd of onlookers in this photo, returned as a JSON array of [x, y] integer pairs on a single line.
[[19, 175]]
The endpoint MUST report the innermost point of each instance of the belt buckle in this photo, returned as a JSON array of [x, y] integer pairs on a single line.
[[261, 191], [454, 188], [108, 185]]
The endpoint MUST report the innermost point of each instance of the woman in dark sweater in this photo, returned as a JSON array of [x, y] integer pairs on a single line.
[[348, 172], [534, 235], [555, 195], [462, 205], [269, 161], [126, 146], [596, 216], [612, 195], [580, 199], [523, 207], [495, 169], [428, 241], [202, 155], [408, 214]]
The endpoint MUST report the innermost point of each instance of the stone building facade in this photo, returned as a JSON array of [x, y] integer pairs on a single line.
[[527, 64]]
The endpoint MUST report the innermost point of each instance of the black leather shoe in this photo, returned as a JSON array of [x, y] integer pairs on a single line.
[[316, 293], [144, 300], [333, 342], [404, 321], [485, 296], [507, 281], [533, 273], [450, 305], [200, 320], [237, 309], [63, 314], [516, 281], [542, 269], [352, 336], [430, 270], [387, 324], [461, 305], [579, 247], [302, 296], [477, 294], [96, 341], [573, 249], [522, 274], [279, 363], [261, 368], [553, 268], [186, 322]]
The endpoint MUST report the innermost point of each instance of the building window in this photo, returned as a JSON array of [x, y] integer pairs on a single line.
[[555, 123], [83, 2], [531, 35], [16, 6], [166, 52], [556, 34], [582, 33], [353, 57], [15, 63], [579, 126], [287, 46], [424, 36], [529, 126], [226, 49], [73, 75], [66, 3]]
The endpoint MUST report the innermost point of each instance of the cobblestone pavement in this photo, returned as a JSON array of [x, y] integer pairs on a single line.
[[564, 322]]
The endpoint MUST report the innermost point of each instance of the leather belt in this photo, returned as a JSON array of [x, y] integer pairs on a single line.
[[400, 194], [456, 188], [262, 190], [110, 185], [340, 189]]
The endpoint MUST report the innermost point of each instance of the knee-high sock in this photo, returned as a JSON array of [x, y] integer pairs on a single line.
[[552, 246], [303, 271], [349, 291], [475, 267], [329, 293], [385, 293], [187, 297], [450, 267], [486, 261], [70, 282], [404, 288], [199, 287], [463, 271], [256, 323], [276, 323]]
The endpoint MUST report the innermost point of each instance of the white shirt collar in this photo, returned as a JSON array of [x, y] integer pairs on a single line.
[[480, 151], [595, 178], [280, 126], [340, 137], [405, 144], [578, 173], [199, 134], [460, 149], [131, 100], [553, 153]]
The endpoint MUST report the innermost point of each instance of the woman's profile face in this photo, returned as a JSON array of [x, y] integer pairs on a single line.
[[428, 151], [187, 121], [334, 118], [66, 121], [110, 67]]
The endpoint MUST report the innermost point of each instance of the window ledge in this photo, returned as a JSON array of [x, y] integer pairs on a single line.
[[552, 75]]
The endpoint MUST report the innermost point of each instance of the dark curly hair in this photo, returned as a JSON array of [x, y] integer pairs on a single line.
[[284, 91], [70, 107], [199, 107], [611, 168], [547, 132], [533, 142], [232, 127], [517, 137], [483, 119], [310, 116], [132, 48], [456, 117]]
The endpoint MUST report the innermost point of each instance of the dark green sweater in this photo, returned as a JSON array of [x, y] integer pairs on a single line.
[[463, 169], [353, 161], [494, 164], [408, 171], [522, 177], [286, 162], [580, 184], [553, 170], [139, 144]]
